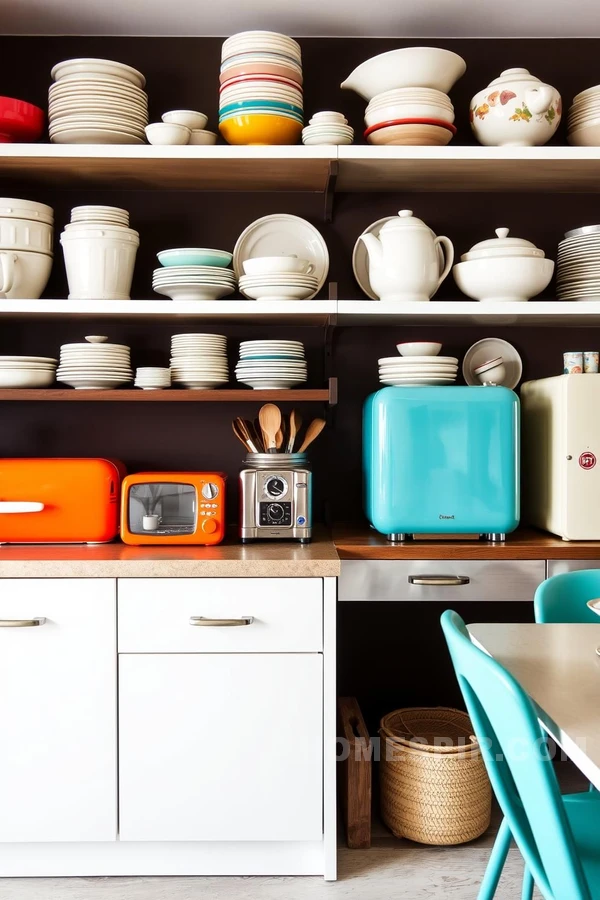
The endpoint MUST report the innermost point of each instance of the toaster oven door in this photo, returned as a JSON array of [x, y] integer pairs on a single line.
[[162, 509]]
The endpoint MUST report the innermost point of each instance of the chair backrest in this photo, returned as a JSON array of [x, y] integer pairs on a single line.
[[516, 757], [563, 598]]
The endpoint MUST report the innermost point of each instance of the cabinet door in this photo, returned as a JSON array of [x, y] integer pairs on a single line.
[[223, 747], [58, 779]]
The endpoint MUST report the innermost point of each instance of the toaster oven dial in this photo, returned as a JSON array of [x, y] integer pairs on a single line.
[[275, 486], [210, 491], [275, 512]]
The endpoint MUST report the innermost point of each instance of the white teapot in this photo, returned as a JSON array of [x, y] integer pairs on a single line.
[[406, 261]]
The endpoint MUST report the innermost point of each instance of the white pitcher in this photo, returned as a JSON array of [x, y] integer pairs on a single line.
[[407, 261]]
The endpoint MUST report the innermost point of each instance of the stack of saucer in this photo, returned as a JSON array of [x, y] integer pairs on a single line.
[[419, 364], [152, 378], [327, 128], [271, 364], [584, 119], [97, 101], [94, 365], [194, 282], [578, 264], [199, 361]]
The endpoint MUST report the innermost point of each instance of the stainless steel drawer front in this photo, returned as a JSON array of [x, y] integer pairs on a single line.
[[560, 566]]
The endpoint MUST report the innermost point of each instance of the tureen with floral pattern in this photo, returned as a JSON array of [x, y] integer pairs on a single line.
[[516, 109]]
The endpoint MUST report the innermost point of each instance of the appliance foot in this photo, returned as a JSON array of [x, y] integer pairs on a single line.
[[495, 537], [305, 540], [399, 538]]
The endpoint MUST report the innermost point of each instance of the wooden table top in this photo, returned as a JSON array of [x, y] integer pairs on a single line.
[[559, 668]]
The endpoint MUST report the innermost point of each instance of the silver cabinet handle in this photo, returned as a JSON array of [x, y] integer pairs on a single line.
[[22, 623], [202, 620], [439, 580]]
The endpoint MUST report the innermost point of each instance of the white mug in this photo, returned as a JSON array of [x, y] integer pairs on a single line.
[[7, 272], [150, 523]]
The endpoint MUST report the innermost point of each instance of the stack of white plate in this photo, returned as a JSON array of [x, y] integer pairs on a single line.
[[418, 370], [97, 101], [584, 119], [271, 364], [26, 371], [94, 365], [99, 215], [194, 282], [152, 378], [578, 265], [199, 361]]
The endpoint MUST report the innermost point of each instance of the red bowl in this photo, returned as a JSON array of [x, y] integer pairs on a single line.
[[439, 122], [20, 121]]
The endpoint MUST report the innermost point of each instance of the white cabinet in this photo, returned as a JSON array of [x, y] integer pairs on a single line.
[[221, 746], [58, 779]]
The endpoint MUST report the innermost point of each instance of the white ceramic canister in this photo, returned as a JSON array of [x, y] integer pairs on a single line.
[[515, 109], [99, 261]]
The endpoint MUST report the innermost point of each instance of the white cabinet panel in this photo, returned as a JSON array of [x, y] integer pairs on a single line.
[[223, 747], [58, 779], [155, 614], [560, 566]]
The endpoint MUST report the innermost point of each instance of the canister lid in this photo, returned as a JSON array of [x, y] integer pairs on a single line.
[[512, 75], [502, 245]]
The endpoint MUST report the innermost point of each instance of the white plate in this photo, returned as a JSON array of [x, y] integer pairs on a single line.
[[490, 348], [283, 235], [195, 291], [97, 68], [268, 345], [92, 136], [15, 360], [411, 360], [414, 380]]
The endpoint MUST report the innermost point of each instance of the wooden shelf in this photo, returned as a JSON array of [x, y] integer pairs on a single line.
[[177, 168], [170, 396], [362, 542], [468, 312], [453, 168]]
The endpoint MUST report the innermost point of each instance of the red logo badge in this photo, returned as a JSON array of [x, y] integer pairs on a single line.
[[587, 460]]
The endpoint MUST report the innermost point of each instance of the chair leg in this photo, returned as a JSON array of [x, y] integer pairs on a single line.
[[495, 863], [527, 892]]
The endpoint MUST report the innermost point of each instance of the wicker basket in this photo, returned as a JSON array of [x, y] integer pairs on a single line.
[[433, 783]]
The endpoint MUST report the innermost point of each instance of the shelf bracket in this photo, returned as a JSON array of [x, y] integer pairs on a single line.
[[333, 391], [334, 168]]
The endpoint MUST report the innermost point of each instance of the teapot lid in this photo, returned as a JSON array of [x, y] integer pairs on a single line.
[[512, 75], [404, 220], [502, 245]]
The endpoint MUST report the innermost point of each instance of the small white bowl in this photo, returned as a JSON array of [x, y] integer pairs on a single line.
[[26, 378], [419, 348], [327, 117], [272, 265], [167, 134], [187, 117], [201, 137], [492, 372]]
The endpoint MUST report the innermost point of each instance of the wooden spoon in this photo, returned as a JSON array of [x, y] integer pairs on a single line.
[[243, 430], [312, 433], [279, 439], [295, 425], [269, 417]]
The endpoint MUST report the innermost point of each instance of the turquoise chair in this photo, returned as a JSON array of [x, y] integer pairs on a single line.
[[558, 836], [563, 598]]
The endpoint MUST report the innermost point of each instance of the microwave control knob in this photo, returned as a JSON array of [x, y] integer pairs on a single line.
[[209, 526], [210, 491]]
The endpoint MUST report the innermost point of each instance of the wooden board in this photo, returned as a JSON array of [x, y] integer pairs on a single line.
[[356, 783], [167, 396]]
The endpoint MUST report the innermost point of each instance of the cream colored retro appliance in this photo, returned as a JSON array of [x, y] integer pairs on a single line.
[[561, 455]]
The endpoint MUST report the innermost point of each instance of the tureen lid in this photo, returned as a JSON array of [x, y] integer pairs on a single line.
[[502, 245], [511, 75], [404, 220]]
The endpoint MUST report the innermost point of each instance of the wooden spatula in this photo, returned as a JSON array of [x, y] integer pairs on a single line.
[[240, 436], [241, 431], [312, 433], [269, 417], [295, 425]]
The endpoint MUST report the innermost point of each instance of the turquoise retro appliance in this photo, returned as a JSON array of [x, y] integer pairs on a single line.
[[442, 460]]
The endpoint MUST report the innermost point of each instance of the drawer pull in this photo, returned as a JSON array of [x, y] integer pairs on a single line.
[[22, 623], [202, 620], [439, 580]]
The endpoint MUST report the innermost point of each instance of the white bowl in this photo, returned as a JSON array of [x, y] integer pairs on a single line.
[[492, 374], [503, 279], [270, 265], [27, 273], [167, 134], [408, 111], [26, 378], [278, 292], [200, 137], [419, 348], [187, 117], [409, 67], [586, 136]]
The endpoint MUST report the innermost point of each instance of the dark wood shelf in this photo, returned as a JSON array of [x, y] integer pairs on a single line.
[[171, 396], [362, 542]]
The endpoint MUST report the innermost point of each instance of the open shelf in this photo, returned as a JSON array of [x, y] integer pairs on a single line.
[[173, 396], [469, 312]]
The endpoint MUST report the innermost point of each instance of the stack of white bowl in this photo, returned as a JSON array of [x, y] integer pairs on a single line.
[[327, 128], [100, 251], [418, 364], [584, 119], [26, 241], [266, 365], [94, 365], [578, 264], [278, 278], [26, 371], [152, 378], [97, 101], [192, 273], [260, 98], [199, 361]]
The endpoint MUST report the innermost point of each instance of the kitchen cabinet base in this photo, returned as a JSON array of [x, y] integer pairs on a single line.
[[164, 858]]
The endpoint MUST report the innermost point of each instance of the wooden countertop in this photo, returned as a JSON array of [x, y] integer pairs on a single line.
[[318, 559], [362, 542]]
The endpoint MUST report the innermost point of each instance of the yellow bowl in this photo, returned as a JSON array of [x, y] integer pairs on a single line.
[[261, 129]]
